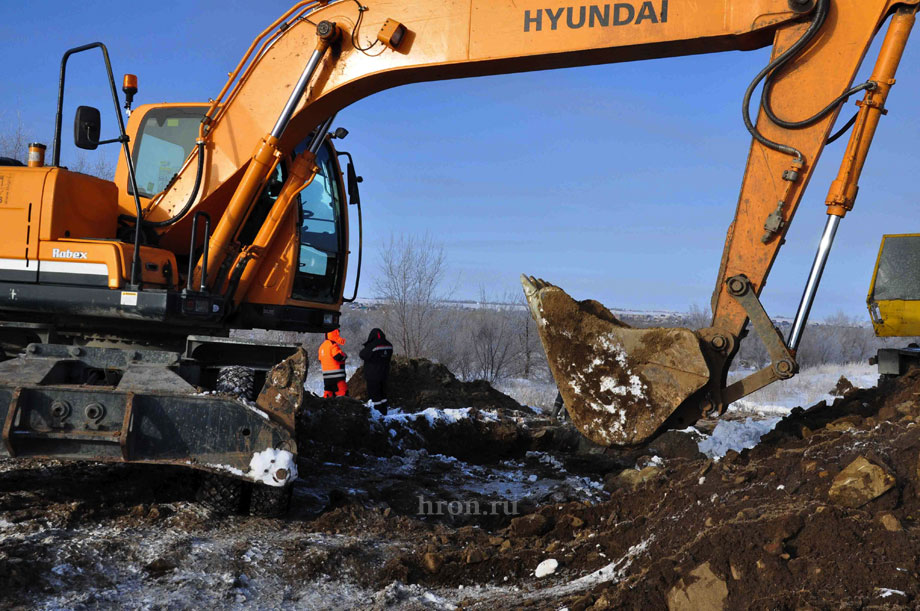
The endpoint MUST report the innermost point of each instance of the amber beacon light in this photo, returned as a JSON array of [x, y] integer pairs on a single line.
[[129, 87]]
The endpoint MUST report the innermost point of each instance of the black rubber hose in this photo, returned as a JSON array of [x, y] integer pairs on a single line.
[[821, 12], [191, 198], [768, 85], [843, 129], [772, 70]]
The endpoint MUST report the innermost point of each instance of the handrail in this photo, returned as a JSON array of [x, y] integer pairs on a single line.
[[204, 254]]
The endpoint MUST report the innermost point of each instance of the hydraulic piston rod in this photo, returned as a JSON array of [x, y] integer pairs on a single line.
[[814, 279], [843, 190], [299, 90], [301, 172]]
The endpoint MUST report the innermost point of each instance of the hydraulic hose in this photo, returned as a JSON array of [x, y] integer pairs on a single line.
[[843, 130], [769, 73], [191, 198]]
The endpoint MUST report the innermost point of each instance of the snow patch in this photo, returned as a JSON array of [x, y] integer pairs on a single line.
[[615, 571], [433, 416], [265, 465], [732, 435]]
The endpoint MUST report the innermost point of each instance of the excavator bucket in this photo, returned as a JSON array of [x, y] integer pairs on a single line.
[[620, 384]]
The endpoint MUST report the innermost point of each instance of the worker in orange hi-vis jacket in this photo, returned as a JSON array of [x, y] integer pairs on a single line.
[[332, 359]]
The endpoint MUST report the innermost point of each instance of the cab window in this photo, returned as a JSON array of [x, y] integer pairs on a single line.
[[319, 262], [896, 278], [164, 141]]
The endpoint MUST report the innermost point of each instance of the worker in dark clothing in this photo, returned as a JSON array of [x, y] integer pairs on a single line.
[[559, 411], [332, 359], [376, 355]]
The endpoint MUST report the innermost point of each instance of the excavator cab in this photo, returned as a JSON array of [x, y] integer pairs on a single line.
[[320, 266], [304, 289]]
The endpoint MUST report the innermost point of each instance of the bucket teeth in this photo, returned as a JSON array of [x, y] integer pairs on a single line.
[[619, 383]]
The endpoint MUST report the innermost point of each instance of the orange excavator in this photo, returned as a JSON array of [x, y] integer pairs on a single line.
[[233, 215]]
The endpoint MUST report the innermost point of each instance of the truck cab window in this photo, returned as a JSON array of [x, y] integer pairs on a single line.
[[164, 141], [894, 280]]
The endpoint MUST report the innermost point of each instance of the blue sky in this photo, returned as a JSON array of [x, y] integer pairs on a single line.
[[615, 182]]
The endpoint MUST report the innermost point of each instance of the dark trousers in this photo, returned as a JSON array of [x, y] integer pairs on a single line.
[[377, 392]]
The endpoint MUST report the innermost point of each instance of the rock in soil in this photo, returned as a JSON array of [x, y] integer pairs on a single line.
[[417, 384], [704, 590], [860, 482]]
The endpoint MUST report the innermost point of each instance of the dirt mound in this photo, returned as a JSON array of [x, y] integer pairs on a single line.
[[843, 387], [417, 384], [330, 429], [824, 513]]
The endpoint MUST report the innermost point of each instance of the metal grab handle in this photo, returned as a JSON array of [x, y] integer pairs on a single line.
[[204, 255]]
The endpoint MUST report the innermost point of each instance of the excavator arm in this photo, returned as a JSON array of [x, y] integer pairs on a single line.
[[620, 384]]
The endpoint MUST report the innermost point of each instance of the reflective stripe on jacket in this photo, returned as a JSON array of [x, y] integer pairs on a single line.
[[332, 358]]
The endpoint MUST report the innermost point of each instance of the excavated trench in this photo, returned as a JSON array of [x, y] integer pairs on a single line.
[[412, 513]]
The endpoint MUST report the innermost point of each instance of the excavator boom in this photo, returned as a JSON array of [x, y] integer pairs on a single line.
[[620, 385]]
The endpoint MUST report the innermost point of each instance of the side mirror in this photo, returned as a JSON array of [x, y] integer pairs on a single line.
[[86, 128], [354, 194]]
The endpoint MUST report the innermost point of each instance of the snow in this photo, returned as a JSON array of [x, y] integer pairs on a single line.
[[808, 387], [764, 408], [615, 571], [265, 465], [201, 583], [635, 391], [545, 568], [537, 396], [734, 435], [546, 459], [433, 415], [226, 468]]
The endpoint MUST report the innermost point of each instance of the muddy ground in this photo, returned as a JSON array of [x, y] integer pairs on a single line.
[[822, 514]]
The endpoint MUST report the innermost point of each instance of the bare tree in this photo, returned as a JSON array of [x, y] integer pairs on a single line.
[[99, 167], [698, 317], [412, 272], [494, 338], [14, 140]]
